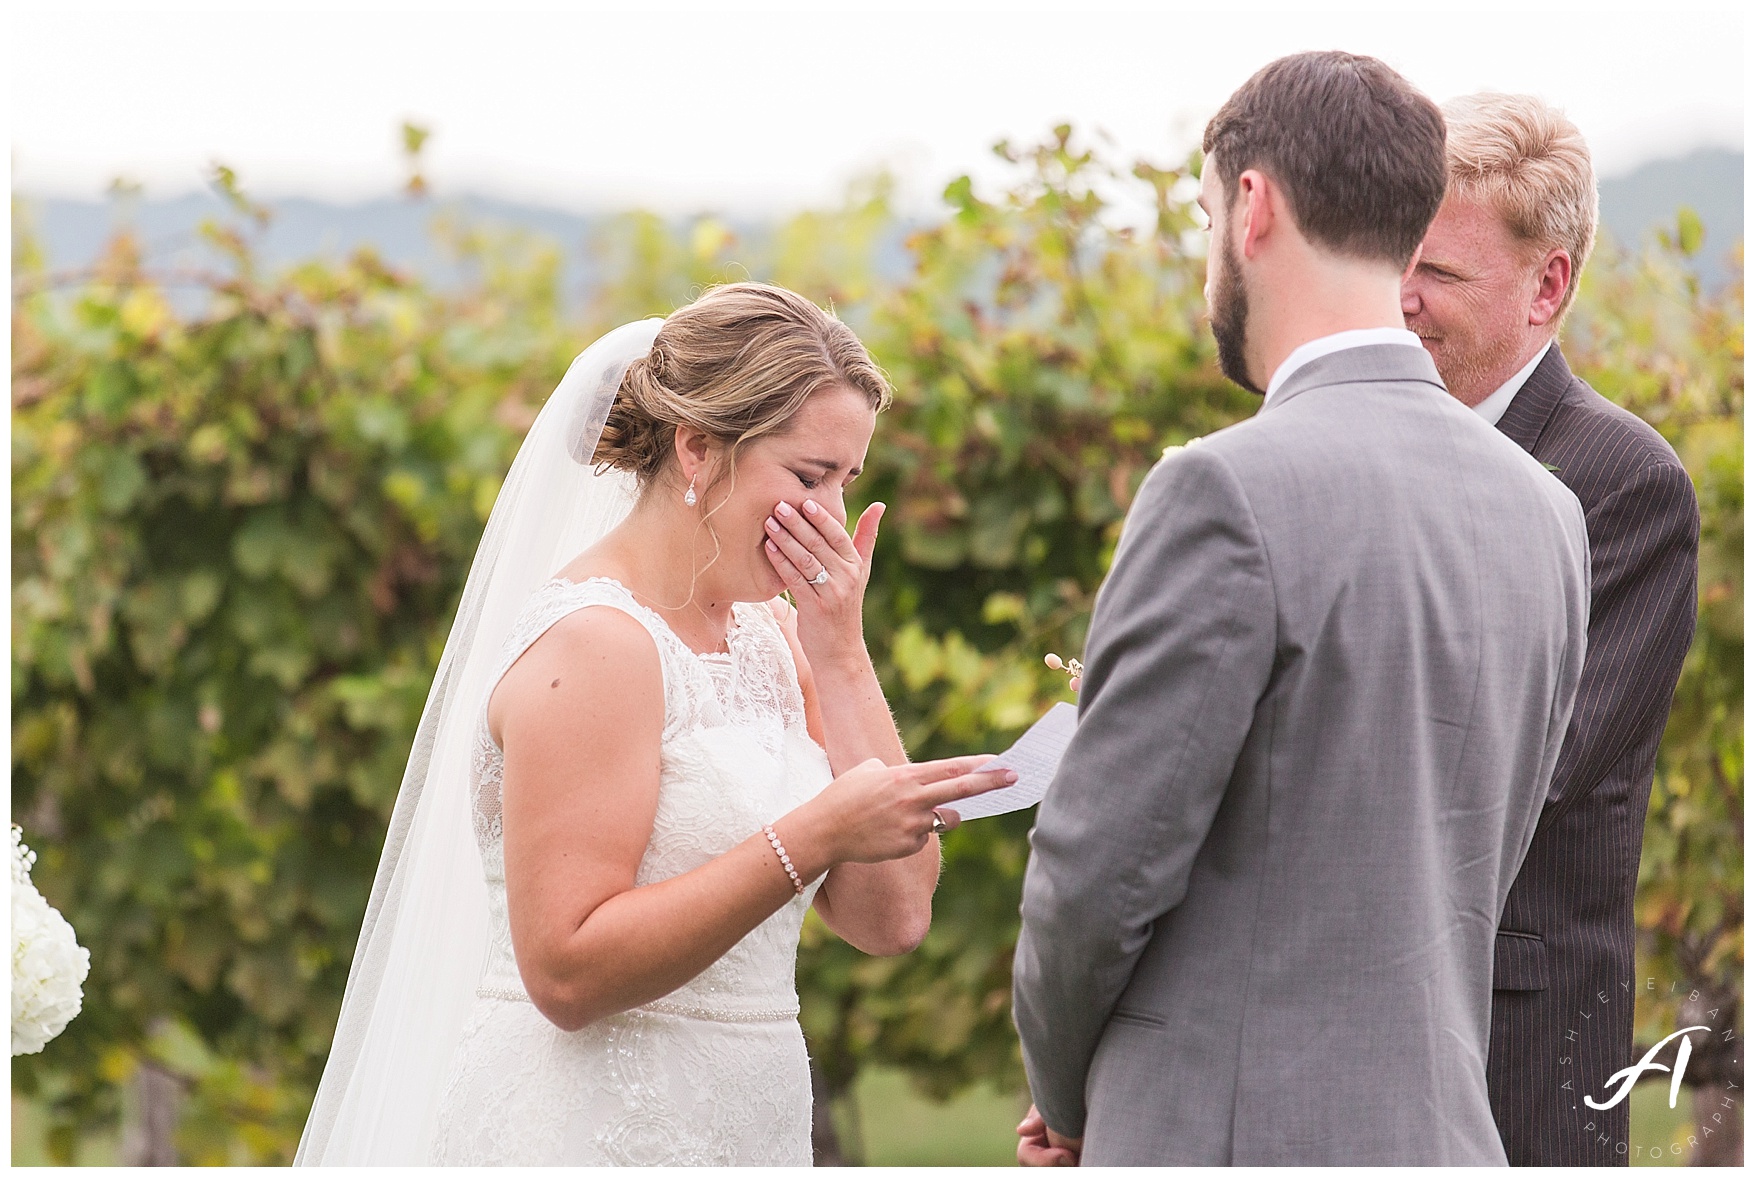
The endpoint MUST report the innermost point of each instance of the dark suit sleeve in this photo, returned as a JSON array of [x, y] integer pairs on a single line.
[[1180, 651], [1644, 541]]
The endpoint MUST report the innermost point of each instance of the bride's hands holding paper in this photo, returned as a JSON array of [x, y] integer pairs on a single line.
[[876, 812], [826, 571]]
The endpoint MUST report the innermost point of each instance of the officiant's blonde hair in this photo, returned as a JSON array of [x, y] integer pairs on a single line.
[[737, 364], [1528, 162]]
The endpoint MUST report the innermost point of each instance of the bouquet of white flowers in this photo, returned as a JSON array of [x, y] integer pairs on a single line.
[[48, 966]]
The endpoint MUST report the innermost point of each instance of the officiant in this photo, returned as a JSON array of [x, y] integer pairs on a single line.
[[1498, 269]]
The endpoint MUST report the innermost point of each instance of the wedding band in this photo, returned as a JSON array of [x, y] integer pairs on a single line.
[[938, 823], [822, 578]]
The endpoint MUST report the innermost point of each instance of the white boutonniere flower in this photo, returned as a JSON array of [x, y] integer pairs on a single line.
[[1179, 446]]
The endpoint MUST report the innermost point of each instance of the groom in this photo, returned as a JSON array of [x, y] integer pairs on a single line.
[[1326, 684]]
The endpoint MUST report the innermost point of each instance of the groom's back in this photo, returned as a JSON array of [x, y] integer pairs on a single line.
[[1334, 949], [1326, 683]]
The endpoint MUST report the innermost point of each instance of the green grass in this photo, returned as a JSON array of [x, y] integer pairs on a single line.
[[1656, 1125], [29, 1148], [901, 1127]]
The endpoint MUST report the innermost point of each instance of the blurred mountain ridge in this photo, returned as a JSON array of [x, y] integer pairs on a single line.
[[1709, 181], [72, 232]]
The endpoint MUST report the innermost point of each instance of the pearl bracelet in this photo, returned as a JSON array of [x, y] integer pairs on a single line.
[[785, 859]]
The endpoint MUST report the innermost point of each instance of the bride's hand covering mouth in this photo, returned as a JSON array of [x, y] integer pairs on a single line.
[[826, 571]]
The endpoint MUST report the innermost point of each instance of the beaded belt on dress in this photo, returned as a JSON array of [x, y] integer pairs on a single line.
[[663, 1006]]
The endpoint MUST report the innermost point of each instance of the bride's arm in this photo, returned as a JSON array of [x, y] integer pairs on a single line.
[[579, 717], [880, 908]]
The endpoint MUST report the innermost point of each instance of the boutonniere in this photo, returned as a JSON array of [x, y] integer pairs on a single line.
[[1549, 466], [1174, 447]]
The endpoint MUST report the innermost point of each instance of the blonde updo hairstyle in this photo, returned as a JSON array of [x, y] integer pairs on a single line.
[[736, 364]]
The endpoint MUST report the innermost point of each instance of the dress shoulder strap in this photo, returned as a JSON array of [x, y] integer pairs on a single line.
[[559, 598], [548, 605]]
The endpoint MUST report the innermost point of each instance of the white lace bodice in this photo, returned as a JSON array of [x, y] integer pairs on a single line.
[[734, 754], [714, 1073]]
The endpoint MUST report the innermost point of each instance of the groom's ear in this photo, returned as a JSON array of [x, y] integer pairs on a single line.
[[1256, 208]]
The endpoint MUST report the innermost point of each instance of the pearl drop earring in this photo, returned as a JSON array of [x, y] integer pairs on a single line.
[[689, 495]]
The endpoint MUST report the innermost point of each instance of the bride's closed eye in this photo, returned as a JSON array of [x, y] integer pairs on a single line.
[[809, 484]]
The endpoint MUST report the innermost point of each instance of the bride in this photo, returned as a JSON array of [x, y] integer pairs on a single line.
[[638, 766]]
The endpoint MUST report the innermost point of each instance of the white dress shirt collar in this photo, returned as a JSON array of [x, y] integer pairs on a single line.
[[1359, 337], [1493, 408]]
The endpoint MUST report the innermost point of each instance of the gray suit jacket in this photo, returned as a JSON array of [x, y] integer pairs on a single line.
[[1327, 682]]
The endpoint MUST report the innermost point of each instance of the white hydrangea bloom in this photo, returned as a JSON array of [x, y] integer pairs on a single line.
[[48, 966]]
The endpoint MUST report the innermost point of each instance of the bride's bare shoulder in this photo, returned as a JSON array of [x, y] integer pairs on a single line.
[[597, 662], [600, 633]]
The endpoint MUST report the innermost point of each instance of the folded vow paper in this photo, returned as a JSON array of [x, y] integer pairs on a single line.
[[1035, 756]]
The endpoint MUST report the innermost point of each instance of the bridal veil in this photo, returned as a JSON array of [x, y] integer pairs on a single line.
[[421, 948]]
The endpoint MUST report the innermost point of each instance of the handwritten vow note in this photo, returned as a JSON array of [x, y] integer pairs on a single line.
[[1035, 757]]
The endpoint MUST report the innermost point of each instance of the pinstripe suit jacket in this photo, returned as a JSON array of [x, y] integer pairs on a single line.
[[1563, 962]]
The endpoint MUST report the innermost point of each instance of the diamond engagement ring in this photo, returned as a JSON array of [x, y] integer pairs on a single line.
[[822, 578]]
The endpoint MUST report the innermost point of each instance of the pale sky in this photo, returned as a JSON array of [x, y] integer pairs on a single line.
[[587, 106]]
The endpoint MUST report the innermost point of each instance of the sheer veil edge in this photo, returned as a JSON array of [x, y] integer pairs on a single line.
[[420, 952]]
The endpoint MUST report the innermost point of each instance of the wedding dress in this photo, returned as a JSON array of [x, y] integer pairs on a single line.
[[438, 1054], [715, 1072]]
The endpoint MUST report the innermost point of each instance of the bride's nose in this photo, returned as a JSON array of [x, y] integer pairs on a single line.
[[831, 498]]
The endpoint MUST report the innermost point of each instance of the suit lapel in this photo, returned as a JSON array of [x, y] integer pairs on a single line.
[[1527, 415]]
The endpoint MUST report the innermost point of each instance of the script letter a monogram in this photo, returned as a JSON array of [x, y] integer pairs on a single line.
[[1629, 1076]]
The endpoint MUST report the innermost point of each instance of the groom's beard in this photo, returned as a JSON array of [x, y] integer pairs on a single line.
[[1230, 315]]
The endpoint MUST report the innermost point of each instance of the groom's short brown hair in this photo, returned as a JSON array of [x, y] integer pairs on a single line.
[[1358, 152]]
